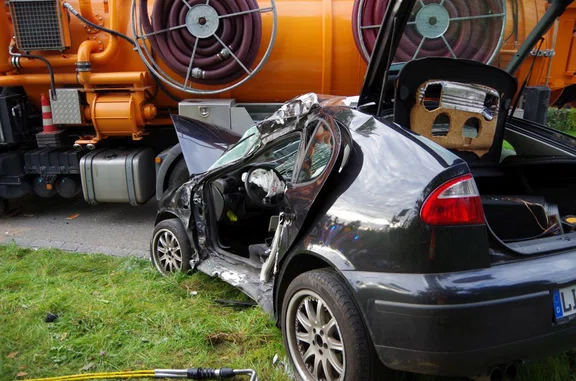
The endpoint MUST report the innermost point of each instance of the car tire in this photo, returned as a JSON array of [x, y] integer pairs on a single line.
[[170, 249], [316, 351], [179, 174]]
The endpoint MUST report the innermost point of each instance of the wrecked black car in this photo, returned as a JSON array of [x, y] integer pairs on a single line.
[[391, 227]]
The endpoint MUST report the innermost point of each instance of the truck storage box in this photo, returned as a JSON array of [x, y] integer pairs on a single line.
[[52, 161], [12, 181], [11, 164], [114, 175]]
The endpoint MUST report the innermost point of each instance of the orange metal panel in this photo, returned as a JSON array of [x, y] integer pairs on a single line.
[[572, 56], [5, 37], [314, 51]]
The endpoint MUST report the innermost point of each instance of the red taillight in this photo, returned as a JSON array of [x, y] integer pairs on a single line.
[[456, 202]]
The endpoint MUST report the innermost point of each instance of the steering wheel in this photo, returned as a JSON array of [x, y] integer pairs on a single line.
[[257, 194]]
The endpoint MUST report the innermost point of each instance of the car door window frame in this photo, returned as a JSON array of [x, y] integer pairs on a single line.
[[319, 122], [266, 148]]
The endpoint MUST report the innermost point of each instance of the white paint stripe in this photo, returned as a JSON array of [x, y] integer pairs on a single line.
[[46, 109], [47, 122]]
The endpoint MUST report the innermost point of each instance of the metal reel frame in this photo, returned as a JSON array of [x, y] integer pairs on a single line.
[[146, 55], [360, 28]]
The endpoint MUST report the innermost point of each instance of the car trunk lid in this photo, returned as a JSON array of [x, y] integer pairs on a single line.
[[398, 14]]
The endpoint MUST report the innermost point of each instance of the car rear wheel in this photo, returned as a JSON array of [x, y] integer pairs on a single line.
[[323, 331], [170, 248]]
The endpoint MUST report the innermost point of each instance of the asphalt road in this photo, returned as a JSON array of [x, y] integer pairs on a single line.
[[114, 229]]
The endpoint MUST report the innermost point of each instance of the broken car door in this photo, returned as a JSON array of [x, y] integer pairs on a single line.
[[316, 161]]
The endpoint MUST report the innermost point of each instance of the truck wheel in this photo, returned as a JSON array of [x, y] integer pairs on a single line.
[[170, 249], [323, 331], [179, 174]]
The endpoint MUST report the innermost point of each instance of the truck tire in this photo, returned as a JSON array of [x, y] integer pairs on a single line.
[[179, 174], [337, 336]]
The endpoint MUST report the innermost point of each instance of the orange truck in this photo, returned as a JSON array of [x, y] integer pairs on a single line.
[[88, 86], [559, 72]]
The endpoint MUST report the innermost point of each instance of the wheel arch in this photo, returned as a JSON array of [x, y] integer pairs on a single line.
[[293, 265], [164, 215], [170, 158], [305, 261]]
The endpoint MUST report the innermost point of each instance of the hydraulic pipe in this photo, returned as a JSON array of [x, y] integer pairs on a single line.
[[86, 11], [129, 78], [111, 47], [5, 37], [87, 48], [83, 65]]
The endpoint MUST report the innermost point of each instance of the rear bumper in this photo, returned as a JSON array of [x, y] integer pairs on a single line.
[[464, 324], [475, 362]]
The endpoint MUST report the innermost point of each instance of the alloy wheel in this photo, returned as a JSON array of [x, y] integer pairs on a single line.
[[167, 251], [314, 338]]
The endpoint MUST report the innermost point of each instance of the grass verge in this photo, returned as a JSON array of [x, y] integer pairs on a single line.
[[119, 314]]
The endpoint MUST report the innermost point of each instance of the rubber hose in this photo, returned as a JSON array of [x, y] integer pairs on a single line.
[[241, 34], [471, 39], [48, 65]]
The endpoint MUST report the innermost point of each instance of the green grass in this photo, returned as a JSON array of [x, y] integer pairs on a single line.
[[119, 314]]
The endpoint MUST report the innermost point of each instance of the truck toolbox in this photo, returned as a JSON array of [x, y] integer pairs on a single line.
[[12, 179], [116, 175], [52, 161]]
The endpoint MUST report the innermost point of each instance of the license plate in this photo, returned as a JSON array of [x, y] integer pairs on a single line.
[[565, 302]]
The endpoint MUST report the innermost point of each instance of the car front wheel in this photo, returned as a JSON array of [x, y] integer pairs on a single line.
[[323, 331], [170, 248]]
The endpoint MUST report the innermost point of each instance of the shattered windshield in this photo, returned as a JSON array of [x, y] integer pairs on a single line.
[[246, 145]]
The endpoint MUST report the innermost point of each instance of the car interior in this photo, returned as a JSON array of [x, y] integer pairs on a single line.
[[245, 219]]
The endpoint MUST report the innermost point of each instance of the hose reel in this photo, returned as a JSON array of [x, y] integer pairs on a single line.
[[209, 42], [467, 29]]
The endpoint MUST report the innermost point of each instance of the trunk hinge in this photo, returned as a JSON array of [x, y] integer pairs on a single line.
[[543, 53]]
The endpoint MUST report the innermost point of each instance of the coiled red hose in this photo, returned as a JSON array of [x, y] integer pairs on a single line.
[[469, 39], [241, 34]]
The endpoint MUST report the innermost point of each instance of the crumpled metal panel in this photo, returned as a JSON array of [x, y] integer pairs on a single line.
[[242, 277], [278, 124], [66, 107]]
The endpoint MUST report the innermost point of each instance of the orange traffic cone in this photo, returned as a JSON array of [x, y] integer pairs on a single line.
[[47, 122]]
